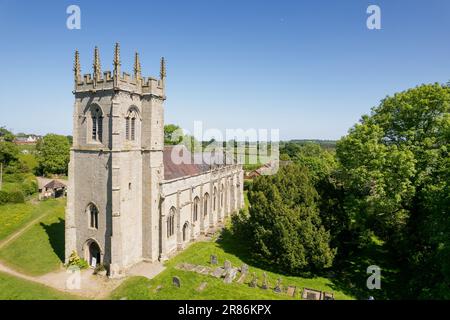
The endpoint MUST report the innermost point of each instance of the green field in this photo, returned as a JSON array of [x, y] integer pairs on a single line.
[[12, 288], [199, 253], [15, 216], [39, 249]]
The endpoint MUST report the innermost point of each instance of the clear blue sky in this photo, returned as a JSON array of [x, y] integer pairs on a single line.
[[309, 68]]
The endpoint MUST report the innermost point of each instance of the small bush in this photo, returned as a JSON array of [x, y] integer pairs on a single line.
[[16, 197], [4, 197], [75, 260]]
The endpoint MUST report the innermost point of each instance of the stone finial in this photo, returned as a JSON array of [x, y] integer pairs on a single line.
[[97, 66], [76, 66], [162, 73], [116, 60], [137, 67]]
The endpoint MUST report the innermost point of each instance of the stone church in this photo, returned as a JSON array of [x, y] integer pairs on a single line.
[[128, 200]]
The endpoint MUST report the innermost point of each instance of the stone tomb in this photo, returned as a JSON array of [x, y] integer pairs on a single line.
[[311, 294]]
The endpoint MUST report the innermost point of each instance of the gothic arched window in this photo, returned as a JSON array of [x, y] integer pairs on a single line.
[[205, 204], [221, 195], [196, 204], [131, 124], [97, 124], [214, 198], [93, 216], [171, 222]]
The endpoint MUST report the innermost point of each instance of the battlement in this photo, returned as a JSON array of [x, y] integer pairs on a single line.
[[115, 80]]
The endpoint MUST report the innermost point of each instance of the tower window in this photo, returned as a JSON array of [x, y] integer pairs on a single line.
[[93, 216], [97, 124], [131, 124]]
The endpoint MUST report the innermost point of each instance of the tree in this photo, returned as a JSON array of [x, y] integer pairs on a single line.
[[53, 154], [284, 225], [394, 171], [6, 135], [9, 152], [173, 134]]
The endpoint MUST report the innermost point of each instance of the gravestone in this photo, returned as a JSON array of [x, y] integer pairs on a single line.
[[291, 291], [202, 286], [231, 274], [218, 272], [244, 268], [176, 281], [277, 288], [213, 259], [227, 265], [254, 281], [242, 278], [264, 283], [199, 269]]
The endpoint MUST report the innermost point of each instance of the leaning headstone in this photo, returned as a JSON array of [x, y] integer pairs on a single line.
[[213, 259], [264, 283], [202, 286], [231, 274], [176, 282], [244, 268], [291, 291], [254, 281], [227, 265], [277, 288], [242, 278]]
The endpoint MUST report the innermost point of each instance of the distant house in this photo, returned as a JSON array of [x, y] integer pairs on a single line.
[[49, 188], [30, 139]]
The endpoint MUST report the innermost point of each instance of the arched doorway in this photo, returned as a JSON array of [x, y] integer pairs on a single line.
[[93, 253], [185, 231]]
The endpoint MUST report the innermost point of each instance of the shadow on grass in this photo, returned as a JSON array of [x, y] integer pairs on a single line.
[[55, 232], [349, 276], [241, 249]]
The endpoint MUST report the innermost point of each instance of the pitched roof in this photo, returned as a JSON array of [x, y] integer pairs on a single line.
[[54, 184], [179, 162]]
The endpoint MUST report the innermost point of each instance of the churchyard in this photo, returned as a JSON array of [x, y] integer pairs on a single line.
[[32, 245]]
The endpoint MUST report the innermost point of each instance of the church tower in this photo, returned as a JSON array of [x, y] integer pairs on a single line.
[[116, 165]]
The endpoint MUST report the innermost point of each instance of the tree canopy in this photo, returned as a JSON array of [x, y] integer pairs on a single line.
[[53, 154], [394, 168]]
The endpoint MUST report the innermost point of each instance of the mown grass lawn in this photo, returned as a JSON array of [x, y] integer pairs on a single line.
[[199, 253], [13, 216], [40, 249], [13, 288]]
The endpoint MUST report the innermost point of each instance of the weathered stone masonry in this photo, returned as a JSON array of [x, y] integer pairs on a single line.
[[127, 201]]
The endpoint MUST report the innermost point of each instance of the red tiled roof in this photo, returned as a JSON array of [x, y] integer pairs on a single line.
[[179, 162]]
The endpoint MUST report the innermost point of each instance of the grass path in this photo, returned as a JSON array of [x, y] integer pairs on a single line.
[[19, 232]]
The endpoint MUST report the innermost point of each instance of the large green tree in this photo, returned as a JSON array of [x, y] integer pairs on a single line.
[[284, 224], [394, 170], [53, 154]]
